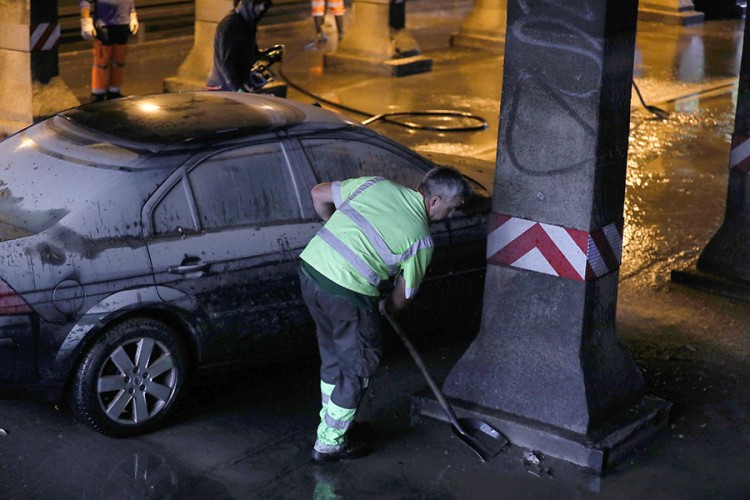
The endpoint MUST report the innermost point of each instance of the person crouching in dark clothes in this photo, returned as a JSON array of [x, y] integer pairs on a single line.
[[236, 45]]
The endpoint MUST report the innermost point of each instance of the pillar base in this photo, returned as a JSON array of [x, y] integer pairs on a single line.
[[10, 127], [494, 44], [44, 100], [684, 18], [402, 66], [181, 84], [720, 10], [51, 97], [710, 283], [597, 450]]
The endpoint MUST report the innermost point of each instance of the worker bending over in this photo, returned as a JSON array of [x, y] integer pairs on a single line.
[[374, 230]]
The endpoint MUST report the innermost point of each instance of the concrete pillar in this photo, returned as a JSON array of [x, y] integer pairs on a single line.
[[193, 72], [31, 86], [724, 265], [377, 41], [669, 12], [547, 369], [484, 27]]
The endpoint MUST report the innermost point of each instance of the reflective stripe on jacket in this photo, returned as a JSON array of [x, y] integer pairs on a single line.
[[379, 229]]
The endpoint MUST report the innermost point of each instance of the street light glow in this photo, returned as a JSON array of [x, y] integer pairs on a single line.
[[148, 107]]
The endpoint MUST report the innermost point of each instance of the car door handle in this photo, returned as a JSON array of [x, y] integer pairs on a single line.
[[189, 268]]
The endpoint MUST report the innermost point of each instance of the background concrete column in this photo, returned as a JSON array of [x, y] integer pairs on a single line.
[[669, 12], [547, 368], [374, 45], [484, 27], [29, 78], [724, 264], [193, 72]]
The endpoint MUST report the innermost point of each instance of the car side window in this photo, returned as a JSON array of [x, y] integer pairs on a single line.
[[245, 186], [336, 160], [173, 213]]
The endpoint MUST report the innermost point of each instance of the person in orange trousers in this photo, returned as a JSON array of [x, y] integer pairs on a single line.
[[109, 24], [338, 10]]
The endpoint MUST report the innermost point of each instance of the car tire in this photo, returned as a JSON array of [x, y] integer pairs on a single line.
[[129, 379]]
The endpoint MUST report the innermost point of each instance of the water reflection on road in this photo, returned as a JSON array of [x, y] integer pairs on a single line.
[[137, 476], [676, 185]]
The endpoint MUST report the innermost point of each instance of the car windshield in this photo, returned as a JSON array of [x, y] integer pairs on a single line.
[[45, 174]]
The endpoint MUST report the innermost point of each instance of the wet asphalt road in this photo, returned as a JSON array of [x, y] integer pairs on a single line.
[[248, 434]]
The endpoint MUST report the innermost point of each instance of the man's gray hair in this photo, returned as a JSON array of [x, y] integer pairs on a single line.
[[446, 182]]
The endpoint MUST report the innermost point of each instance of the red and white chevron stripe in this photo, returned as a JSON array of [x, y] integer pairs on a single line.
[[45, 36], [555, 250], [739, 158]]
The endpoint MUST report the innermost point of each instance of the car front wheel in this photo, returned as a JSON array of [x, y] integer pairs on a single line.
[[130, 378]]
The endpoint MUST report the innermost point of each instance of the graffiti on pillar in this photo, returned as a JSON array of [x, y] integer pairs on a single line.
[[579, 8], [550, 95]]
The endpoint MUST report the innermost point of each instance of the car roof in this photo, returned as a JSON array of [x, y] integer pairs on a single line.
[[166, 121]]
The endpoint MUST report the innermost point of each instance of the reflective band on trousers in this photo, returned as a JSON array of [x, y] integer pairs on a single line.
[[390, 259], [338, 424], [336, 7]]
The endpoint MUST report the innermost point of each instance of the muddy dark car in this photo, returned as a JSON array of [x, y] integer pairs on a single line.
[[145, 238]]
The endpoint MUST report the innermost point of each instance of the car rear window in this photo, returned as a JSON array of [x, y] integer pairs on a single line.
[[44, 175]]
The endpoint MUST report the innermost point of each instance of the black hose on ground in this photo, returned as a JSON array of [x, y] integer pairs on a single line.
[[658, 112], [479, 123]]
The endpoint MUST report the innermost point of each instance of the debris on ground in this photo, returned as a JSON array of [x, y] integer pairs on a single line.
[[531, 458], [3, 432], [533, 462]]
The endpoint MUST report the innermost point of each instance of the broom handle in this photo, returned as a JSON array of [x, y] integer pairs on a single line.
[[430, 381]]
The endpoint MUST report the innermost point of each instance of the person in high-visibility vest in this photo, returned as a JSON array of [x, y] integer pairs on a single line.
[[109, 23], [337, 8], [374, 230]]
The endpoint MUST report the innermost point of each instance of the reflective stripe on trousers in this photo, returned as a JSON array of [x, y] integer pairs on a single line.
[[326, 390], [336, 7], [334, 420], [334, 423], [108, 70]]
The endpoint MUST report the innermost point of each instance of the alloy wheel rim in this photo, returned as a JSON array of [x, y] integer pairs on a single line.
[[137, 381]]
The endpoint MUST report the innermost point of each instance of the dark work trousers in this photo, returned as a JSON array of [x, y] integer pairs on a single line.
[[349, 340]]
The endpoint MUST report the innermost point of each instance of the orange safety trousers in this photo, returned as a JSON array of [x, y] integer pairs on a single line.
[[335, 6], [108, 70]]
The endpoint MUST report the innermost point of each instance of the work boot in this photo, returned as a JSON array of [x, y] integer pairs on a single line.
[[98, 97], [113, 95], [351, 450], [319, 35], [340, 26]]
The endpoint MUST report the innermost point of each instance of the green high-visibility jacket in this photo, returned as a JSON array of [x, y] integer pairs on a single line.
[[380, 229]]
